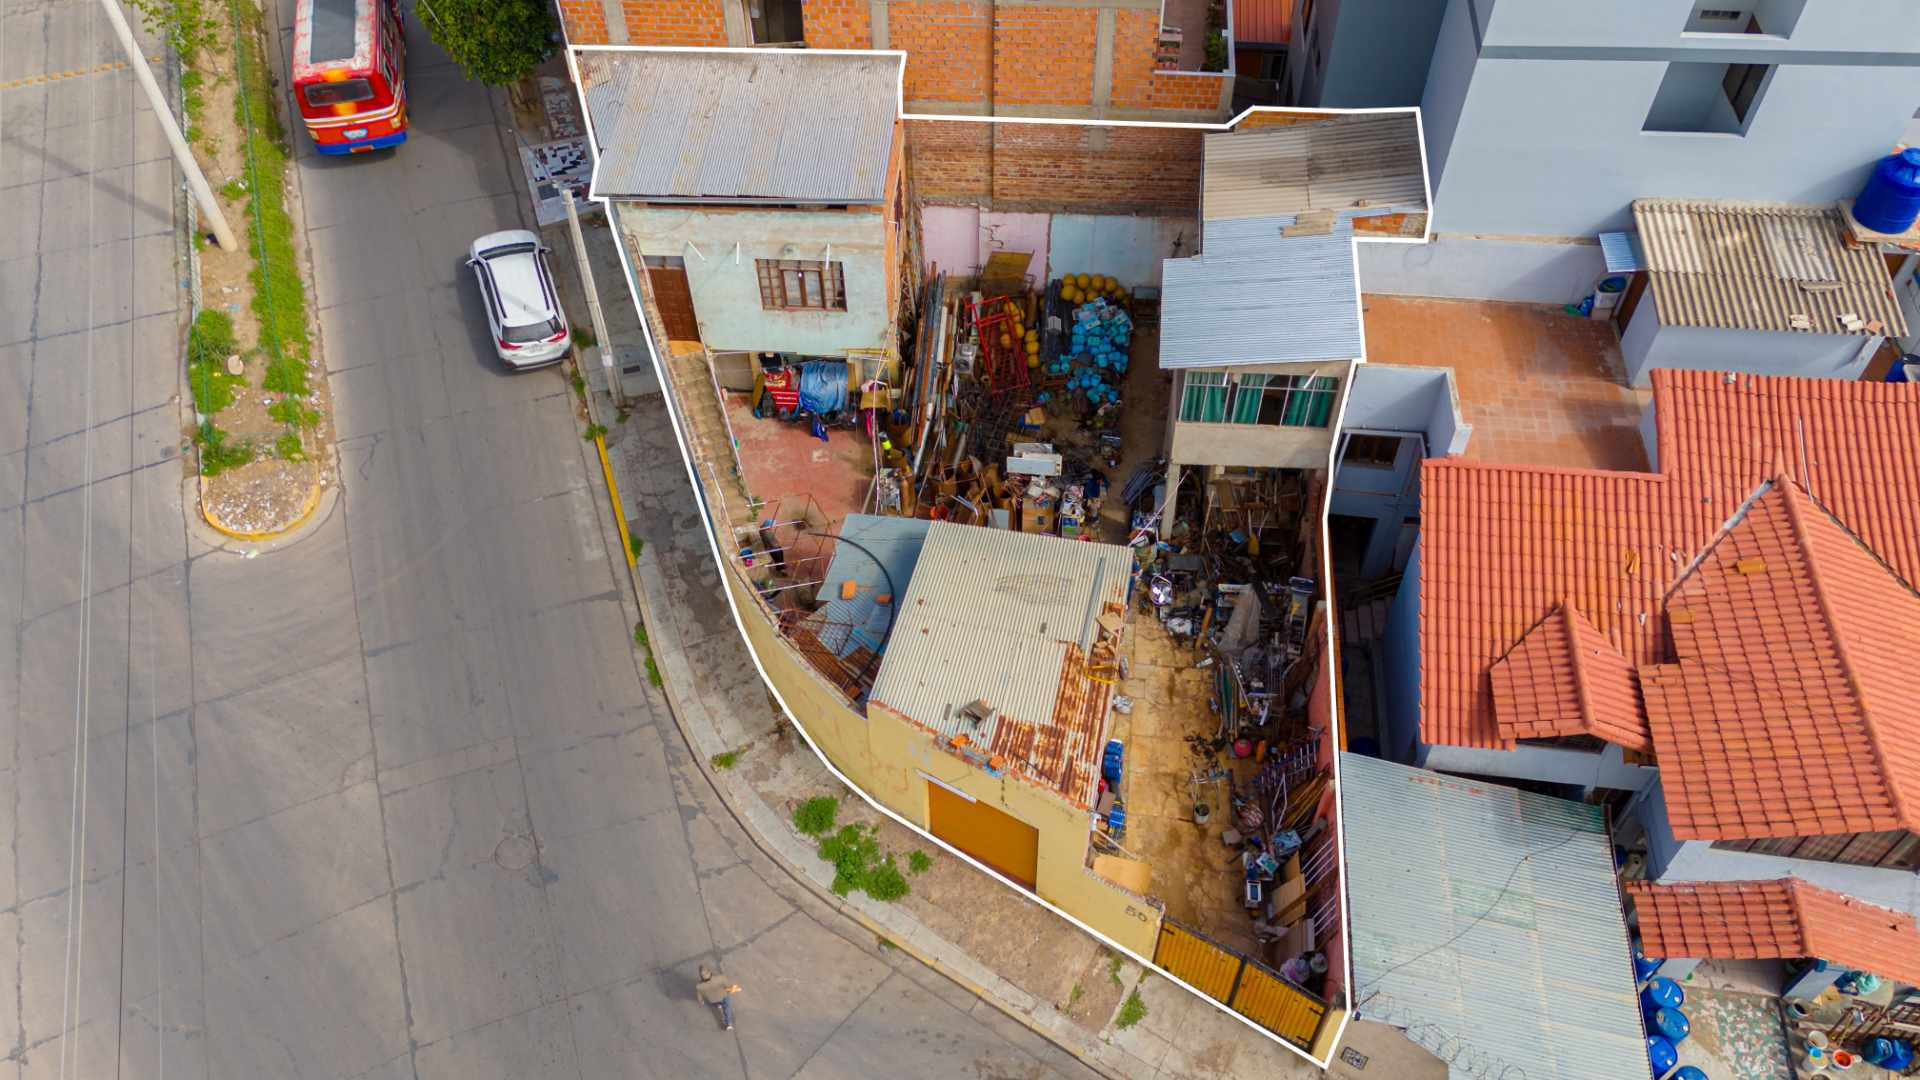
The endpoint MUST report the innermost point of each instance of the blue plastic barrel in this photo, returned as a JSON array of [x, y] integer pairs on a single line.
[[1662, 993], [1891, 200], [1893, 1055], [1671, 1023], [1644, 966], [1661, 1055], [1688, 1072]]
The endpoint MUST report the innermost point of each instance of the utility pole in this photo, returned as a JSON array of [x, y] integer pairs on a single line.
[[593, 301], [196, 180]]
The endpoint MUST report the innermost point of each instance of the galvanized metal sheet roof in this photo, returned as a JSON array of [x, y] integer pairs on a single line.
[[1009, 617], [1753, 266], [792, 125], [1367, 159], [1256, 296], [1486, 923]]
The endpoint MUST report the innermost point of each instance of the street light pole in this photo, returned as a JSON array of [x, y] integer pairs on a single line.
[[593, 301], [196, 180]]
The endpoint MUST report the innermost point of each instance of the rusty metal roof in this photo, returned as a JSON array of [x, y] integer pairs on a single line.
[[1363, 159], [792, 125], [1008, 617], [1754, 266]]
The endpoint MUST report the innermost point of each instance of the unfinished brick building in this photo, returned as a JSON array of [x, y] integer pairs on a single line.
[[1059, 59]]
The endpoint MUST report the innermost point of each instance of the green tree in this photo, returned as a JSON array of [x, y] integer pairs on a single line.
[[496, 41]]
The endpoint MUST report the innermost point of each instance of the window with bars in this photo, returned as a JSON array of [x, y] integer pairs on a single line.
[[801, 285]]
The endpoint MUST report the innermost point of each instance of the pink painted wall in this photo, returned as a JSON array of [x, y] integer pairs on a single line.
[[959, 239]]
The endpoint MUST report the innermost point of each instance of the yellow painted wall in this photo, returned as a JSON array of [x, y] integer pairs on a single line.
[[886, 758]]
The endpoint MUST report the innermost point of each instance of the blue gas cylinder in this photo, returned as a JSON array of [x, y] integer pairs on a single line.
[[1661, 1055], [1671, 1023], [1662, 993], [1891, 200]]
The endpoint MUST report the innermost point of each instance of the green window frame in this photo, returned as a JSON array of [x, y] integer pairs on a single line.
[[1203, 397]]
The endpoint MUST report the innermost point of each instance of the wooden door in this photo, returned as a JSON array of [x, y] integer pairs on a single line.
[[987, 833], [673, 296]]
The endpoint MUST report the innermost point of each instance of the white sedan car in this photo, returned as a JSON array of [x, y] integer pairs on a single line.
[[523, 308]]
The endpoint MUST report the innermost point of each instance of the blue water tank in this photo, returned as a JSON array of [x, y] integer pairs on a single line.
[[1661, 1055], [1891, 200], [1643, 965], [1893, 1055], [1689, 1072]]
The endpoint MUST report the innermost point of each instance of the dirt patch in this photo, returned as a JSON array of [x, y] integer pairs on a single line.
[[291, 452], [1096, 990]]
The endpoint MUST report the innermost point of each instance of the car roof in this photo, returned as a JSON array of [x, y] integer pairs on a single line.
[[523, 296], [503, 237]]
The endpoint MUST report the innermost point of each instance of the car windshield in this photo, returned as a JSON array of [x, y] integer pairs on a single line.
[[338, 93], [539, 331], [507, 249]]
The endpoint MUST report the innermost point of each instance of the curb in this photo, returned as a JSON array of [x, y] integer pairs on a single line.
[[306, 513], [644, 574]]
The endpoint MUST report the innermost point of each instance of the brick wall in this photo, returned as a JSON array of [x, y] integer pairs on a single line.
[[1277, 119], [1136, 85], [837, 24], [1056, 168], [1043, 56], [674, 22], [948, 45], [586, 21]]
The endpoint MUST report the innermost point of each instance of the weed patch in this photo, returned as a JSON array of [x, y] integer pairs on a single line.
[[634, 543], [291, 412], [217, 455], [919, 862], [1132, 1011], [724, 760], [595, 431], [1113, 969], [279, 296], [209, 342], [815, 816], [859, 864], [287, 448]]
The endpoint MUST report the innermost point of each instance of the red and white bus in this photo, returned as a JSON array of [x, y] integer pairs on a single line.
[[349, 73]]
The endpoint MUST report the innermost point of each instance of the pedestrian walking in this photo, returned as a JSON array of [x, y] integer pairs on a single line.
[[716, 991]]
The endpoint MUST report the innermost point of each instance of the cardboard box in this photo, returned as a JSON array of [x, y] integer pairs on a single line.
[[1037, 521]]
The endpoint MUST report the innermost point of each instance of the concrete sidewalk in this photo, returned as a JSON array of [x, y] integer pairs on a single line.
[[722, 705]]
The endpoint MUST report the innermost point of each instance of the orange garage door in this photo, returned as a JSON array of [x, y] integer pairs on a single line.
[[987, 833]]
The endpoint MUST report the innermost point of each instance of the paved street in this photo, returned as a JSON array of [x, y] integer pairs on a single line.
[[395, 801]]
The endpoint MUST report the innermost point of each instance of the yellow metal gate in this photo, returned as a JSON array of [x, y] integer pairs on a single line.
[[1248, 987]]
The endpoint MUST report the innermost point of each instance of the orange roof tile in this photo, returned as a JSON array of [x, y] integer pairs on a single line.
[[1764, 920], [1565, 678], [1502, 546], [1789, 711]]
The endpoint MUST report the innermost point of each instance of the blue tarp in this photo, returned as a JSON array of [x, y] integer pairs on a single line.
[[823, 386]]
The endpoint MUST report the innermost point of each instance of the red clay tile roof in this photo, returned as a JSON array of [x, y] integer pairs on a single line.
[[1764, 920], [1790, 709], [1565, 678], [1501, 546]]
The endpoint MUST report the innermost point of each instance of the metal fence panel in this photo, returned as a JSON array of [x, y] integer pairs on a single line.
[[1277, 1005], [1195, 960]]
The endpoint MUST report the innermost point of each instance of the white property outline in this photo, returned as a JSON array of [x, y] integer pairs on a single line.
[[1330, 645]]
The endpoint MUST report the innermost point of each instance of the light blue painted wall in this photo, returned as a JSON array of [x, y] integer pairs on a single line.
[[1583, 769], [1550, 141], [1395, 398], [1379, 53], [1449, 75], [1400, 712], [1472, 268], [726, 295], [1647, 345], [1127, 248]]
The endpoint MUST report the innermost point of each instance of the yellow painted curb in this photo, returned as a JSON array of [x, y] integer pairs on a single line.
[[313, 503], [613, 491]]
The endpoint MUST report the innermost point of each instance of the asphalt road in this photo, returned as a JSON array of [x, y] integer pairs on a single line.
[[394, 801]]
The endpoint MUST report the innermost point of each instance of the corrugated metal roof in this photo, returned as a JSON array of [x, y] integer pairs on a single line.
[[1622, 252], [1370, 159], [1752, 266], [1487, 918], [790, 125], [1009, 617], [1255, 296], [873, 543]]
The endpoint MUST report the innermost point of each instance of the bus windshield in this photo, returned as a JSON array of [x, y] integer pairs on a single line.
[[337, 93]]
